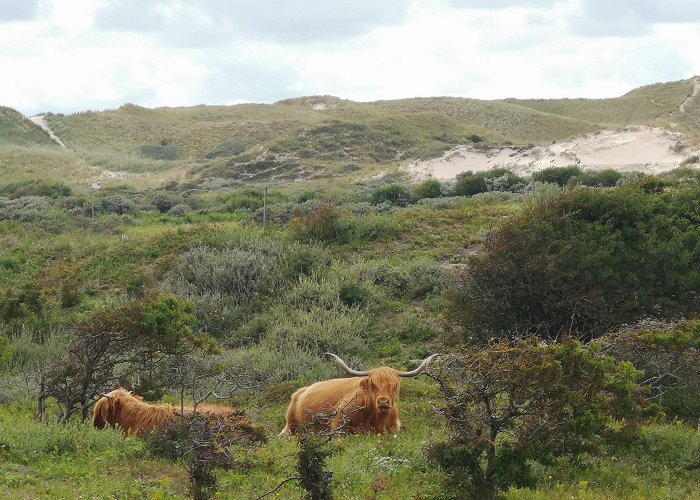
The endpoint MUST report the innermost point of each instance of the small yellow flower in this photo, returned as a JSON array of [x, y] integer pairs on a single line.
[[583, 484], [549, 478]]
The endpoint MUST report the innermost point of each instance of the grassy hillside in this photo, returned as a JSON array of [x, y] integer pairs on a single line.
[[325, 138], [18, 130], [656, 104]]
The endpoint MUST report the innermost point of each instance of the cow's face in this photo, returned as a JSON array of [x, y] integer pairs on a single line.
[[382, 385]]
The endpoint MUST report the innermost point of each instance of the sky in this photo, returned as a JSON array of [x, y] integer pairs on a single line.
[[69, 56]]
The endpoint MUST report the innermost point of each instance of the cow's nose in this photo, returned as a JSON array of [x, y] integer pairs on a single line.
[[383, 401]]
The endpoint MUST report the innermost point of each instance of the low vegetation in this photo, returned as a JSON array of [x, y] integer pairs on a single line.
[[567, 318]]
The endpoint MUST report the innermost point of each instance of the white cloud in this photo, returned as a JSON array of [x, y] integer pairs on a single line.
[[71, 55]]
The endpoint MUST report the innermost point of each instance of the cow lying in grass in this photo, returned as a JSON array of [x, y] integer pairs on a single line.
[[123, 410], [364, 403]]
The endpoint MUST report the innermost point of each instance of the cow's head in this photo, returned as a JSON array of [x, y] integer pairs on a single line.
[[381, 384], [108, 407]]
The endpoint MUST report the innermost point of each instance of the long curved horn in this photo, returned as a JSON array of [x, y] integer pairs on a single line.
[[420, 369], [108, 396], [345, 367]]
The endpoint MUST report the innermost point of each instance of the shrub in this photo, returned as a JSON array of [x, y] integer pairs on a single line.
[[25, 209], [430, 188], [179, 210], [118, 204], [371, 227], [342, 331], [353, 294], [498, 179], [558, 175], [35, 188], [303, 260], [396, 194], [585, 262], [412, 329], [668, 354], [241, 273], [469, 183], [135, 337], [409, 280], [605, 178], [164, 201], [549, 400], [322, 224]]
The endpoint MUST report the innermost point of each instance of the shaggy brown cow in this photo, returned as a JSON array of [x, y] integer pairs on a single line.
[[366, 404], [120, 408]]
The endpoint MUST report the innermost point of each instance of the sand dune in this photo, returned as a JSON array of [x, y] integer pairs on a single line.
[[645, 149]]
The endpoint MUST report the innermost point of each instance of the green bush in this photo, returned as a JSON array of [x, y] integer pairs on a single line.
[[412, 329], [605, 178], [430, 188], [321, 224], [518, 401], [585, 262], [35, 188], [558, 175], [371, 227], [353, 294], [303, 260], [395, 194], [342, 331], [668, 354], [498, 179], [409, 280]]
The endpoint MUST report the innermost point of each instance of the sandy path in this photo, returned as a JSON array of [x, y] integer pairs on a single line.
[[645, 149], [40, 120]]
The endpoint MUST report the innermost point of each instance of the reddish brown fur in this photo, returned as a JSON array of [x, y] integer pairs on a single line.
[[129, 413], [352, 404]]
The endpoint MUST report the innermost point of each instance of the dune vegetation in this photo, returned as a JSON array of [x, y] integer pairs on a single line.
[[230, 247], [174, 290]]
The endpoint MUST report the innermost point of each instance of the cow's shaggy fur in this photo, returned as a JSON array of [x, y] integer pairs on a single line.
[[366, 404], [132, 415]]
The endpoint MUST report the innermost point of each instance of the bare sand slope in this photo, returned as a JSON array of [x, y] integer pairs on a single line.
[[650, 150], [40, 120]]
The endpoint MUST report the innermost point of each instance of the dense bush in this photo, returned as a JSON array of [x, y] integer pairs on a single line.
[[498, 179], [558, 175], [584, 263], [396, 194], [669, 356], [430, 188], [248, 199], [605, 178], [342, 331], [25, 209], [512, 403], [35, 188], [322, 224], [413, 279], [329, 224]]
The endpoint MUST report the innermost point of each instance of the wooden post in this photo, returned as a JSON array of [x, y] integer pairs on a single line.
[[265, 210], [41, 402]]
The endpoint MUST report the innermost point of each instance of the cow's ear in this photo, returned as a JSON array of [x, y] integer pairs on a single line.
[[364, 384]]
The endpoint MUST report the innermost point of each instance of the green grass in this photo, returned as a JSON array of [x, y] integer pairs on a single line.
[[401, 311]]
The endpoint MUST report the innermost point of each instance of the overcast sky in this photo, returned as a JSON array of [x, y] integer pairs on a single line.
[[75, 55]]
